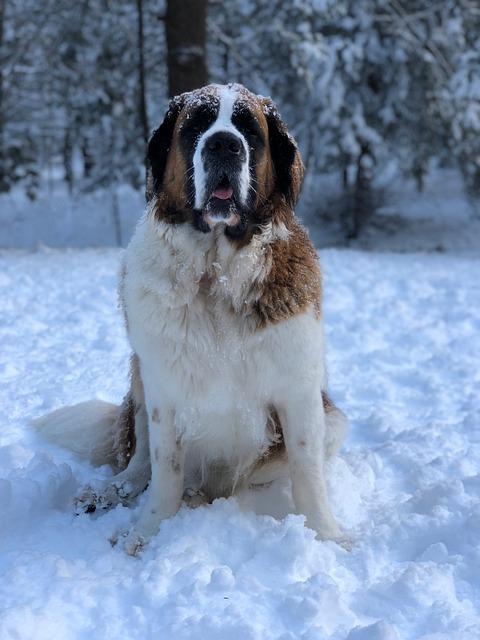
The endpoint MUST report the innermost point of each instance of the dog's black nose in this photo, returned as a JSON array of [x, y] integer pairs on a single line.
[[224, 143]]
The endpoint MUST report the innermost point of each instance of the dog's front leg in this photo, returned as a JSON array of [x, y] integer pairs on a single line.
[[304, 432], [166, 486]]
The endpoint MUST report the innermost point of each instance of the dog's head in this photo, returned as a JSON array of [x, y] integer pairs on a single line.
[[222, 153]]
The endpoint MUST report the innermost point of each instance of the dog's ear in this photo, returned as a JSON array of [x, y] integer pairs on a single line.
[[287, 161], [159, 147]]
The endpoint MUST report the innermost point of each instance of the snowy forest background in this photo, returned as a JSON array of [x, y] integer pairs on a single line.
[[383, 97]]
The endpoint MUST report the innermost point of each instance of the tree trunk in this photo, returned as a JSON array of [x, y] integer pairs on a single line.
[[68, 157], [186, 45], [362, 194], [357, 200], [3, 177], [88, 161], [142, 102], [117, 223]]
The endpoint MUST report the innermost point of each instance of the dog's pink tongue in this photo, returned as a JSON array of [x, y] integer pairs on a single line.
[[223, 193]]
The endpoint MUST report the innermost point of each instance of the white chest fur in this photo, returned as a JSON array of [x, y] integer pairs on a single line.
[[183, 292]]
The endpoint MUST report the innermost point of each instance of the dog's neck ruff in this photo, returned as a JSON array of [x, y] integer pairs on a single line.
[[265, 280], [234, 274]]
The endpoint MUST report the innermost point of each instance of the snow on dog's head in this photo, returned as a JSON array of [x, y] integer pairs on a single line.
[[222, 155]]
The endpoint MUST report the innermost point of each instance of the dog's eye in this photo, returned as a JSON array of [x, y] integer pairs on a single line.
[[200, 120], [245, 122]]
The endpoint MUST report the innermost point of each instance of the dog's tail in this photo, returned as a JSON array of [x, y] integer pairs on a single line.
[[89, 429]]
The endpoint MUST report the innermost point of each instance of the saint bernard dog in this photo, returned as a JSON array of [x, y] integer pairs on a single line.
[[221, 293]]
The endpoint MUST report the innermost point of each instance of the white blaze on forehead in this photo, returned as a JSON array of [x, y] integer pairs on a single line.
[[227, 97]]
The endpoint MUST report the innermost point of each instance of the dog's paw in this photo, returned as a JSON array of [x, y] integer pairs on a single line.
[[345, 541], [335, 535], [342, 539], [86, 501], [134, 543], [92, 499], [123, 490], [115, 538], [194, 498]]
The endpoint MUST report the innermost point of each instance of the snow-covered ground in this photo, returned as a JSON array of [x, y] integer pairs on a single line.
[[105, 217], [404, 352]]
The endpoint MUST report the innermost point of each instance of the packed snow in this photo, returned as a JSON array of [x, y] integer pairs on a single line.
[[403, 335]]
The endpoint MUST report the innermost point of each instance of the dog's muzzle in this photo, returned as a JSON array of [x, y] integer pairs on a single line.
[[224, 157]]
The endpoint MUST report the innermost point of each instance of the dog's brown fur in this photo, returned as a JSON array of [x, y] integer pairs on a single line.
[[125, 440]]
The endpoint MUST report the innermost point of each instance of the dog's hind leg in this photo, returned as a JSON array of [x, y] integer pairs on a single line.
[[132, 454], [125, 486]]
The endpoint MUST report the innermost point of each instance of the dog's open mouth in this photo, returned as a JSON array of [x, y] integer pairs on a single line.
[[221, 205], [223, 192]]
